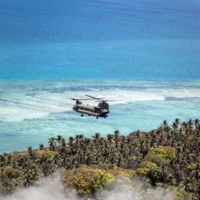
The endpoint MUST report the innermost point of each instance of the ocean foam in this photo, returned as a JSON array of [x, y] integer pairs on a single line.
[[20, 103], [32, 112]]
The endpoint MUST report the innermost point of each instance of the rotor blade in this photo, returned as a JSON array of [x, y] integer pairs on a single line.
[[94, 97], [79, 99], [107, 100]]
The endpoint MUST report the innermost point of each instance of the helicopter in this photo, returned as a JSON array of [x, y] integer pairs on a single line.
[[97, 111]]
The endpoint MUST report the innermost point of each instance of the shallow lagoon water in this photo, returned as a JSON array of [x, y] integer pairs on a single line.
[[143, 53], [34, 111]]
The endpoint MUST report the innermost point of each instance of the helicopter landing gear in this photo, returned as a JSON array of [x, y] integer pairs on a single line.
[[82, 115]]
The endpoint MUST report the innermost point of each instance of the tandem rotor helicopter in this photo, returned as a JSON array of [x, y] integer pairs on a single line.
[[98, 111]]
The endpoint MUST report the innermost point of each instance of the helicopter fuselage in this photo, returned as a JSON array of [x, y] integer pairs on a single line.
[[98, 111]]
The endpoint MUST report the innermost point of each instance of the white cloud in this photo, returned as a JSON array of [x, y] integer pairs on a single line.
[[51, 188]]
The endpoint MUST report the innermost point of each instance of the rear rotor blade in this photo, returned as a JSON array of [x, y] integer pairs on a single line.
[[106, 100], [94, 97]]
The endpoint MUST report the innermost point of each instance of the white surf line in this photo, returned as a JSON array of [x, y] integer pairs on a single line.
[[49, 101], [34, 107]]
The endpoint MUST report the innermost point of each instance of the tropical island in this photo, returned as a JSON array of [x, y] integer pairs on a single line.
[[160, 164]]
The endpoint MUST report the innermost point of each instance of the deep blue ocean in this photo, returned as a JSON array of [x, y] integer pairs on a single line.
[[144, 54]]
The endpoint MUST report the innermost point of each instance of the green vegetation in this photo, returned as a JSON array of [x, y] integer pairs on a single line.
[[87, 180], [167, 158]]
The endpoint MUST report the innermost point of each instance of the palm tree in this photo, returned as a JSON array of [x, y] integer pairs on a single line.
[[165, 123], [176, 123], [30, 151], [30, 175], [196, 123], [59, 138], [109, 136], [138, 134], [52, 144], [71, 140], [116, 134], [174, 126], [41, 147], [97, 136]]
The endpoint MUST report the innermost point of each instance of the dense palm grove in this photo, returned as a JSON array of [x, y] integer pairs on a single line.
[[166, 157]]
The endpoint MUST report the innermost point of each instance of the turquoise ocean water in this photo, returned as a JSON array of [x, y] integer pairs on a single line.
[[145, 54]]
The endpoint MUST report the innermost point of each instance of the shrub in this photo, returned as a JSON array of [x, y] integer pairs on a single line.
[[160, 154], [87, 180], [149, 170], [10, 172]]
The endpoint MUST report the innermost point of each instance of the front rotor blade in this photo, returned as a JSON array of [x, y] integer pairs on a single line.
[[80, 99]]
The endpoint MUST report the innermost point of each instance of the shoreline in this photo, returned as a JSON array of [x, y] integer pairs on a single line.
[[151, 155]]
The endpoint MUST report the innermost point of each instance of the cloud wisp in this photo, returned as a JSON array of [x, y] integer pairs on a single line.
[[51, 188]]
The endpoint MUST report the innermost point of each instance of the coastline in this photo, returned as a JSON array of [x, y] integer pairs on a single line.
[[93, 166], [38, 109]]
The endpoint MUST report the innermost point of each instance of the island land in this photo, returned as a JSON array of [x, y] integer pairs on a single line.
[[163, 163]]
